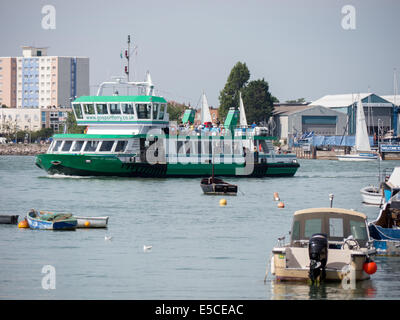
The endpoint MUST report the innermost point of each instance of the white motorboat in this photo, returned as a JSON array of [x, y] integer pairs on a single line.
[[372, 195], [325, 244]]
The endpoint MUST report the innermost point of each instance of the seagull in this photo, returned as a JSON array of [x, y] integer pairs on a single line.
[[147, 248], [107, 238]]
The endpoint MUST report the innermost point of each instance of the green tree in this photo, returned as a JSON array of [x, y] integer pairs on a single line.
[[229, 96], [71, 124], [299, 100], [258, 101], [175, 111]]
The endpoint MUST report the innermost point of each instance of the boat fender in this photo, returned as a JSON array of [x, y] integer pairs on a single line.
[[370, 266], [23, 224], [276, 196]]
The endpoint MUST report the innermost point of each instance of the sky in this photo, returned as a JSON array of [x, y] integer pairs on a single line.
[[302, 48]]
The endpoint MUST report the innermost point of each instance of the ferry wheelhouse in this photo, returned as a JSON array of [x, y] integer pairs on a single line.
[[131, 136]]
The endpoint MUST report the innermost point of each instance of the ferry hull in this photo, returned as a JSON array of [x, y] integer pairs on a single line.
[[97, 165]]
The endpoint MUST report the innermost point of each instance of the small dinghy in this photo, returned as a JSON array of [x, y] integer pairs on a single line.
[[215, 186], [218, 187], [8, 219], [92, 222], [51, 221]]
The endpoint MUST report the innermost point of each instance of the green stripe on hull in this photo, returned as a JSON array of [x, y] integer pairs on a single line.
[[110, 165]]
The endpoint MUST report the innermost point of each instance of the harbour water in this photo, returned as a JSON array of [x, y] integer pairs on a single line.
[[200, 250]]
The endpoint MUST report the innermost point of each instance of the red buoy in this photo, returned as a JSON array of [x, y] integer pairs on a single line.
[[370, 267]]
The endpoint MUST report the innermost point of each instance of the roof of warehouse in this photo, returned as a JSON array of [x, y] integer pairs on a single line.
[[338, 100]]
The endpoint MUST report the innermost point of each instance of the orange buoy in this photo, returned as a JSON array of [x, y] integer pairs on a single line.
[[370, 267], [276, 196], [222, 202], [281, 205], [23, 224], [87, 224]]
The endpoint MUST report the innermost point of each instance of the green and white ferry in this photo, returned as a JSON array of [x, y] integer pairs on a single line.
[[131, 136]]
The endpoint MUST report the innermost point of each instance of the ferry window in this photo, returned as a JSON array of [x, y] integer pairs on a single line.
[[296, 230], [106, 145], [312, 226], [101, 108], [88, 108], [155, 111], [336, 227], [161, 114], [78, 111], [143, 111], [114, 108], [127, 108], [57, 146], [78, 145], [121, 146], [91, 145], [358, 229], [67, 145]]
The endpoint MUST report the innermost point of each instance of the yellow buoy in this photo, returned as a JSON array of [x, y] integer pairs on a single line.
[[276, 196], [222, 202], [281, 205], [23, 224], [87, 224]]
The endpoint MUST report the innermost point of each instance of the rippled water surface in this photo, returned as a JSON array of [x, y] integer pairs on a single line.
[[199, 249]]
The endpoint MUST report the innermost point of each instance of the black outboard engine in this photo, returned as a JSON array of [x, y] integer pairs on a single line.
[[318, 253]]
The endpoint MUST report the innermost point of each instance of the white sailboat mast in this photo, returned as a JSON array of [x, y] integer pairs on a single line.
[[362, 139]]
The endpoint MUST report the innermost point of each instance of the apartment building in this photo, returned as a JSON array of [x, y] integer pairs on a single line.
[[37, 80]]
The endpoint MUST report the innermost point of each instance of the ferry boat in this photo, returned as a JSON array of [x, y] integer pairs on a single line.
[[131, 136]]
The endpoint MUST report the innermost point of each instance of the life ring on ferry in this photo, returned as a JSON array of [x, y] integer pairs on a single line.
[[55, 162]]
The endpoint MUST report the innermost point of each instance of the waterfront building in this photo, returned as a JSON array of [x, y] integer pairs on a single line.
[[32, 119], [376, 108], [37, 80], [292, 120]]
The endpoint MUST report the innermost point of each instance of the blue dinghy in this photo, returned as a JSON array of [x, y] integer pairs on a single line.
[[55, 221]]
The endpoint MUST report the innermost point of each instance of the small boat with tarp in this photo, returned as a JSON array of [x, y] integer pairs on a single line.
[[326, 244], [51, 221]]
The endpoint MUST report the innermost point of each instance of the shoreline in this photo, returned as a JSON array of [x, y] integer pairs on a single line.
[[28, 149]]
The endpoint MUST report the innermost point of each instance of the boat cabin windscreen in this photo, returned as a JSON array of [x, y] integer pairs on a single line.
[[106, 146], [101, 108], [78, 145], [114, 108], [121, 146], [155, 110], [143, 110], [88, 108], [127, 108], [77, 110], [336, 225], [162, 112], [91, 146]]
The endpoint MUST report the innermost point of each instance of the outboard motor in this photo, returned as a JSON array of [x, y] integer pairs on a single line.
[[318, 253]]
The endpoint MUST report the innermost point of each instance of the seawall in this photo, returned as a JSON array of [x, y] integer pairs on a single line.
[[22, 149]]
